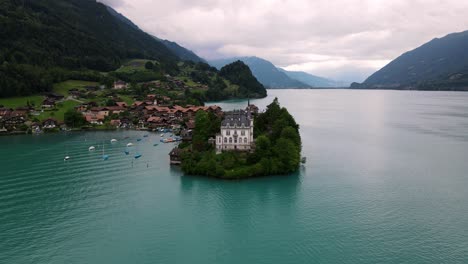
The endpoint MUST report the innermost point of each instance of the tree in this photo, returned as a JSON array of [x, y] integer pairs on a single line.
[[73, 118], [149, 65], [201, 132]]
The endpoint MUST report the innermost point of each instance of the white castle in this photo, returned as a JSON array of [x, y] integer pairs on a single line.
[[236, 132]]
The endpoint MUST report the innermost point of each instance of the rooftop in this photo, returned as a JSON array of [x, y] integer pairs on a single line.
[[236, 118]]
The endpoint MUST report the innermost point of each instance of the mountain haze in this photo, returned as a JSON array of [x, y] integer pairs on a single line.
[[441, 63], [313, 80]]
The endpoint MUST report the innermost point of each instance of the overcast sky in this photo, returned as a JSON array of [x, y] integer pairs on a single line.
[[340, 39]]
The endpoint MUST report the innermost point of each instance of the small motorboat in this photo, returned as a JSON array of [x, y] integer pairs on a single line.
[[155, 144], [126, 137], [139, 139], [137, 156], [130, 144], [92, 148], [66, 158], [126, 152], [162, 135], [145, 135], [105, 157], [113, 140]]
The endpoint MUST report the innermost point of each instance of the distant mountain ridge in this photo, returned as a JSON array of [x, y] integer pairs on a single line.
[[440, 64], [181, 52], [273, 77], [313, 80], [264, 71]]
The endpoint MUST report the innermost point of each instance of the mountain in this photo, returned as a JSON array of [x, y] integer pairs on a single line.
[[122, 18], [264, 71], [441, 64], [181, 52], [239, 73], [312, 80], [42, 40]]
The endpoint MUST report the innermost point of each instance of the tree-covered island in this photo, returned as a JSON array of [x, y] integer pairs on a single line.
[[221, 146]]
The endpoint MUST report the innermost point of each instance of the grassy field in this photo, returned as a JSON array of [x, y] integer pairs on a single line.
[[63, 87], [14, 102], [62, 107], [134, 65], [129, 100]]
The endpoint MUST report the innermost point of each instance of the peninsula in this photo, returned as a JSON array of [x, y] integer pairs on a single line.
[[242, 144]]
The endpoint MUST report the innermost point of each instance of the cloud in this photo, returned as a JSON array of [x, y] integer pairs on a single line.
[[333, 38]]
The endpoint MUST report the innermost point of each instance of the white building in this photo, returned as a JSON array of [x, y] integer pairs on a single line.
[[236, 132], [118, 85]]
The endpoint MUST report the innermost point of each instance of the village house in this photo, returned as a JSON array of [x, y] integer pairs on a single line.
[[122, 104], [175, 156], [93, 118], [115, 122], [54, 96], [236, 132], [118, 85], [48, 103], [14, 120], [81, 108], [50, 123]]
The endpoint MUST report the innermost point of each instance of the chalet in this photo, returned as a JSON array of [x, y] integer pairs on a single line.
[[122, 104], [115, 123], [94, 118], [48, 103], [126, 123], [81, 108], [155, 121], [190, 124], [236, 132], [175, 156], [5, 112], [252, 109], [50, 123], [186, 134], [54, 96], [13, 121], [217, 110], [92, 104], [118, 85]]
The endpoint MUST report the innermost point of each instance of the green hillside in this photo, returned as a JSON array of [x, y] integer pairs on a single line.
[[441, 64], [39, 36]]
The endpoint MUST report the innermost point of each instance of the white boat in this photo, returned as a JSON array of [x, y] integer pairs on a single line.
[[113, 140], [162, 135], [129, 144], [92, 148], [66, 158]]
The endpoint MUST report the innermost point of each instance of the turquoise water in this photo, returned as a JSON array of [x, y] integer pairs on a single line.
[[385, 182]]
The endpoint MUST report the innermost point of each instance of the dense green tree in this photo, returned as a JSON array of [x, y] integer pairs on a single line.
[[149, 65], [73, 118]]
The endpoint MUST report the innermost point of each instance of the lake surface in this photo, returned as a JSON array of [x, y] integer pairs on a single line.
[[386, 181]]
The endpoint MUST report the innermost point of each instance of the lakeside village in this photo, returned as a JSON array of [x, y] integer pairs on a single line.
[[231, 145], [153, 113]]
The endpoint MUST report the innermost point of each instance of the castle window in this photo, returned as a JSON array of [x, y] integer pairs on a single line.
[[230, 140], [245, 140], [243, 133], [225, 140]]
